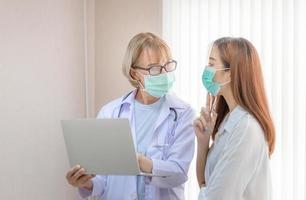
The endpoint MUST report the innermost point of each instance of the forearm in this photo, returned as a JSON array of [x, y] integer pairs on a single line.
[[202, 151], [170, 173]]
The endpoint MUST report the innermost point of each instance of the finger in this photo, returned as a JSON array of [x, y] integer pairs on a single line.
[[203, 122], [197, 123], [72, 171], [211, 101], [208, 101], [88, 178], [79, 173], [78, 182], [214, 104], [84, 178], [204, 109], [214, 116], [207, 115], [205, 112]]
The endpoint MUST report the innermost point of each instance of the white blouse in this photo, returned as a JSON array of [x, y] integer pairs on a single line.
[[237, 166]]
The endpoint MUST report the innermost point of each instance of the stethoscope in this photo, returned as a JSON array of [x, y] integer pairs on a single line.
[[169, 140]]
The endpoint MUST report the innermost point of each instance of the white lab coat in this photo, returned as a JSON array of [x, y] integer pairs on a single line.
[[173, 161]]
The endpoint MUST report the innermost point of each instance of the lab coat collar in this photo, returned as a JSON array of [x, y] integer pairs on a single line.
[[174, 102], [171, 101], [129, 98]]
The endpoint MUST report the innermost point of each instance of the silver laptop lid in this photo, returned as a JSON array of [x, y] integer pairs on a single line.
[[101, 146]]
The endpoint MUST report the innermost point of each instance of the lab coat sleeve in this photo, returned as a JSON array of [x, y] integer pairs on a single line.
[[234, 170], [99, 185], [179, 155]]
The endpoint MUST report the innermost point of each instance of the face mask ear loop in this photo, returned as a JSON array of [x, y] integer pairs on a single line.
[[224, 69], [140, 85], [222, 84]]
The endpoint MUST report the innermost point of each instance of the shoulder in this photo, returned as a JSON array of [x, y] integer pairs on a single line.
[[247, 138], [108, 109], [250, 131]]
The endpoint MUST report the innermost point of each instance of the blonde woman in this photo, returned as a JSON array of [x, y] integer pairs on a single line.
[[237, 119], [161, 126]]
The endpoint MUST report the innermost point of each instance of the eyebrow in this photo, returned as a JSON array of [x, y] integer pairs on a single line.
[[211, 58], [149, 65], [153, 64]]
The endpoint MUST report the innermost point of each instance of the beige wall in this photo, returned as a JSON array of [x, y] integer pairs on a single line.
[[89, 26], [59, 59], [116, 22], [41, 82]]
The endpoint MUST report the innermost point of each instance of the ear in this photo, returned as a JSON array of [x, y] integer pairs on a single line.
[[134, 75], [228, 75]]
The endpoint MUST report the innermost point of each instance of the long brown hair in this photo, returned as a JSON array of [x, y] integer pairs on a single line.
[[241, 57]]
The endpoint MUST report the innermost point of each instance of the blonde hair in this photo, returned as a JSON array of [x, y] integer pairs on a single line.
[[136, 45]]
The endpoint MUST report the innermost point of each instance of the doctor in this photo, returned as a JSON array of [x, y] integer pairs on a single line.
[[161, 125]]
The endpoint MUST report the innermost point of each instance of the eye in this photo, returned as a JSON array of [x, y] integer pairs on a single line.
[[155, 70]]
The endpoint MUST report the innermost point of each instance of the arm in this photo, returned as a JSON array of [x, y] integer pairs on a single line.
[[203, 127], [202, 151], [179, 155]]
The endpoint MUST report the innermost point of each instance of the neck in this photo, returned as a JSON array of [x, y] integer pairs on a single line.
[[144, 98], [229, 98]]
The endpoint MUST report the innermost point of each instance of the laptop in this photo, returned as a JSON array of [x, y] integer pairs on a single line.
[[102, 146]]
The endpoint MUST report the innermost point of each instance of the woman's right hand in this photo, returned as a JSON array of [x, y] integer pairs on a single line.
[[205, 123], [77, 177]]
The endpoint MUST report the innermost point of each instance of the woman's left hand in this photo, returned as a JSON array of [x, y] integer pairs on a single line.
[[145, 163]]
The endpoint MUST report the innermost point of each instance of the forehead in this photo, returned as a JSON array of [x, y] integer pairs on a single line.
[[214, 53], [151, 56], [214, 56]]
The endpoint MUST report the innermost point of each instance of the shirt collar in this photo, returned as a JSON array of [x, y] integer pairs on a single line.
[[232, 120]]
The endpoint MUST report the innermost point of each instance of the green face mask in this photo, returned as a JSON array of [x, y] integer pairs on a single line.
[[159, 85], [208, 80]]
